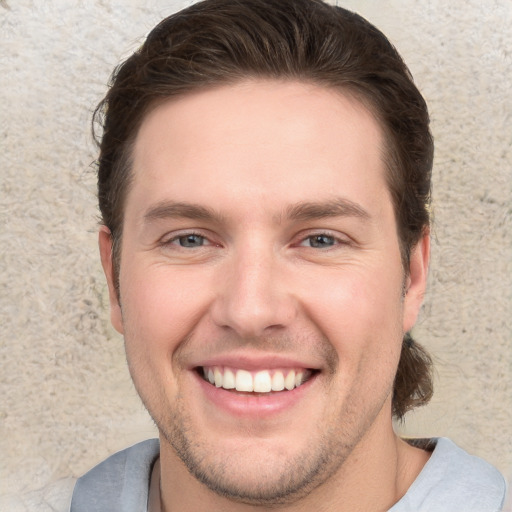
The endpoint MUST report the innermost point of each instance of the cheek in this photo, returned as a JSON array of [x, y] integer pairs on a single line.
[[362, 321], [355, 301], [160, 308]]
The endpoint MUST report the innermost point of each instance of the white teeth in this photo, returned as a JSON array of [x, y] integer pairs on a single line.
[[278, 381], [263, 381], [243, 381], [218, 377], [229, 380], [289, 381]]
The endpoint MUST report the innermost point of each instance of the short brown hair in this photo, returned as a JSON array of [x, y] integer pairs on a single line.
[[218, 42]]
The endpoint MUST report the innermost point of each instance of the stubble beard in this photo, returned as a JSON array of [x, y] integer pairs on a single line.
[[279, 480], [293, 479]]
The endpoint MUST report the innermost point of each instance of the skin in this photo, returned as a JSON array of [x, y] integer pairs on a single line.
[[266, 274]]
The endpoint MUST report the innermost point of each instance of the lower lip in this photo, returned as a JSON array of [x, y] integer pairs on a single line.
[[258, 405]]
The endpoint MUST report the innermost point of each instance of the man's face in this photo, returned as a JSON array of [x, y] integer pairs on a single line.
[[260, 249]]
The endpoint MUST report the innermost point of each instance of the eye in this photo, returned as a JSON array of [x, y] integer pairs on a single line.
[[190, 240], [320, 241]]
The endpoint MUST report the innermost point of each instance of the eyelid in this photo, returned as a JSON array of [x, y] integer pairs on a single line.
[[339, 238], [170, 238]]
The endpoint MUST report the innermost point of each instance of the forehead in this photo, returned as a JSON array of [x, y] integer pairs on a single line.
[[266, 138]]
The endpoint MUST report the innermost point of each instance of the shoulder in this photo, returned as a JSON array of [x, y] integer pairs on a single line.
[[119, 482], [453, 479]]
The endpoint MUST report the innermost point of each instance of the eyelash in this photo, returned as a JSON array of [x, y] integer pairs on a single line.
[[336, 240], [176, 238]]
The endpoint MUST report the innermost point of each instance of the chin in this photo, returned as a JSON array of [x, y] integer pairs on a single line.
[[254, 474], [256, 470]]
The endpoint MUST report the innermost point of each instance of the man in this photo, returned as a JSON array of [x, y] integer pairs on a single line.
[[264, 181]]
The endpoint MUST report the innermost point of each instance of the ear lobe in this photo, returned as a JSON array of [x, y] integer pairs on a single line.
[[416, 280], [105, 246]]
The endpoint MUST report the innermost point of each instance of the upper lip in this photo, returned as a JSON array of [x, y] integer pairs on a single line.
[[253, 362]]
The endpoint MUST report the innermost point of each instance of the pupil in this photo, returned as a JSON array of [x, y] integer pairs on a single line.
[[322, 241], [191, 241]]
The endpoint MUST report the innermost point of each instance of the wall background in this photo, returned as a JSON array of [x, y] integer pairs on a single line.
[[66, 397]]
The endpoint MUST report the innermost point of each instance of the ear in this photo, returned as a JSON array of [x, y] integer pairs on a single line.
[[105, 244], [416, 282]]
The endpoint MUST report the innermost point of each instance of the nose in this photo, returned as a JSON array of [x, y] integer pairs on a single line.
[[254, 296]]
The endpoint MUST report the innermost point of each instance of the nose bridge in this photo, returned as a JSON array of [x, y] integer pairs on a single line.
[[254, 296]]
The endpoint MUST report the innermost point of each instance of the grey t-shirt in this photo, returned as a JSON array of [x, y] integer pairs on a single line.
[[451, 481]]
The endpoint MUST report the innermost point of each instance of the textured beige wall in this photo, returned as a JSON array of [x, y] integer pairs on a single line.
[[66, 397]]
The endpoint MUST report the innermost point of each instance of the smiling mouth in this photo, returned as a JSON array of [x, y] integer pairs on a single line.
[[262, 381]]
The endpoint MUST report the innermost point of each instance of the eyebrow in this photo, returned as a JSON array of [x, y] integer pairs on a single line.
[[338, 207], [302, 211], [171, 209]]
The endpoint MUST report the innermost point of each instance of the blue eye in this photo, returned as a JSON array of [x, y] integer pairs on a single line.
[[321, 241], [190, 240]]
